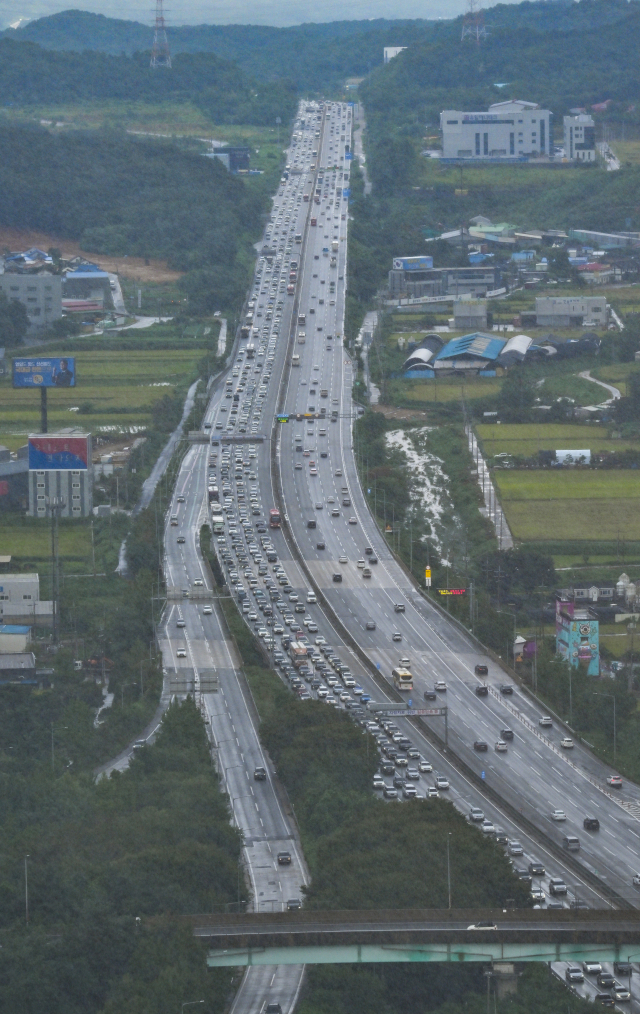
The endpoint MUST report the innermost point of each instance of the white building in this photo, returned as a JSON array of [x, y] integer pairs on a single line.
[[507, 130], [571, 311], [40, 294], [579, 138], [20, 600], [391, 51]]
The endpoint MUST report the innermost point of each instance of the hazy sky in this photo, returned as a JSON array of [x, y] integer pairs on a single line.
[[262, 12]]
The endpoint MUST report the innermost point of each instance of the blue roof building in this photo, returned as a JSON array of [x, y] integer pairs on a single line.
[[477, 352]]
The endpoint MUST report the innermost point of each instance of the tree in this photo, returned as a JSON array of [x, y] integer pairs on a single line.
[[13, 321]]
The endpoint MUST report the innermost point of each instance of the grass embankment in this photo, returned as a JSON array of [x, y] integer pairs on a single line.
[[362, 852], [109, 865]]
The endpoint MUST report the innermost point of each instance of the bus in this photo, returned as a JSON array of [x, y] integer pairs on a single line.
[[274, 518], [402, 679]]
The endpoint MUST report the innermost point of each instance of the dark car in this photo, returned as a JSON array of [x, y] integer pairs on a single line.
[[481, 670], [482, 690], [480, 746], [591, 824], [284, 859], [506, 688], [506, 734]]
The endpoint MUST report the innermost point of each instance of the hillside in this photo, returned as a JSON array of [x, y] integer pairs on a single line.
[[317, 56]]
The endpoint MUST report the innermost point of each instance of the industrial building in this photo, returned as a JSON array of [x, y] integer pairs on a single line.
[[472, 353], [512, 129], [20, 601], [571, 311], [475, 280], [41, 295], [579, 138]]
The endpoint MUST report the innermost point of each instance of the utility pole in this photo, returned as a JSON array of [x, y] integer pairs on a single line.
[[56, 503], [160, 55]]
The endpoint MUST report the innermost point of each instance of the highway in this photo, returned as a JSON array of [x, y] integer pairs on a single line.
[[296, 309]]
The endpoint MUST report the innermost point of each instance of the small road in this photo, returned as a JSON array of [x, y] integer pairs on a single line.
[[613, 391]]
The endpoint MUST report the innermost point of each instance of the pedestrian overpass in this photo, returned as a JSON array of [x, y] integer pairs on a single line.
[[308, 937]]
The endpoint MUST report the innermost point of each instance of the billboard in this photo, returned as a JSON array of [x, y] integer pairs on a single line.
[[60, 451], [421, 263], [44, 372]]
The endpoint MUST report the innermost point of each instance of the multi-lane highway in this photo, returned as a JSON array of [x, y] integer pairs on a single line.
[[329, 569]]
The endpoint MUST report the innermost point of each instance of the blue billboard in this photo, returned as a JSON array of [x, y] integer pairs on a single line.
[[44, 372]]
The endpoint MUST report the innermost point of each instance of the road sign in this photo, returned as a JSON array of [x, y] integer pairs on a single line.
[[452, 591], [427, 577]]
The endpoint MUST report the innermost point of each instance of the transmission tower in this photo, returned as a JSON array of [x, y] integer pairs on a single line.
[[160, 55], [473, 26]]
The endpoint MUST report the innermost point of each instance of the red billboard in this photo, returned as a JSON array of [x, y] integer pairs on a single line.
[[71, 452]]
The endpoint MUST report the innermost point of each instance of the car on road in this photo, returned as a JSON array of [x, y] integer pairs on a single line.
[[573, 974], [591, 967], [545, 722], [615, 781], [566, 743], [605, 999]]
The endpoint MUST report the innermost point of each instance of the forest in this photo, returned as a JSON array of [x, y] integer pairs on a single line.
[[316, 56], [120, 195], [30, 75]]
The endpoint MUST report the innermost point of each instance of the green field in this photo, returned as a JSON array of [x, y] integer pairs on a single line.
[[571, 505], [115, 393], [527, 439]]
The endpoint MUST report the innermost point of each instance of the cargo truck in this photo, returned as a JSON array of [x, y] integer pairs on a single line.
[[297, 653]]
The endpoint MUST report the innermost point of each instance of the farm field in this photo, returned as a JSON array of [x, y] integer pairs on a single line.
[[571, 505], [115, 393], [526, 439]]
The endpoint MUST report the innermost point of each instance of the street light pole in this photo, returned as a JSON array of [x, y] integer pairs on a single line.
[[190, 1003], [614, 720], [26, 890], [449, 869]]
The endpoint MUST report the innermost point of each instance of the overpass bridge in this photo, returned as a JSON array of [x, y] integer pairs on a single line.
[[307, 937]]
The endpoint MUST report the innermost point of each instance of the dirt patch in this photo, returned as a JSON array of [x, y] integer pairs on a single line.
[[399, 413], [129, 267]]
